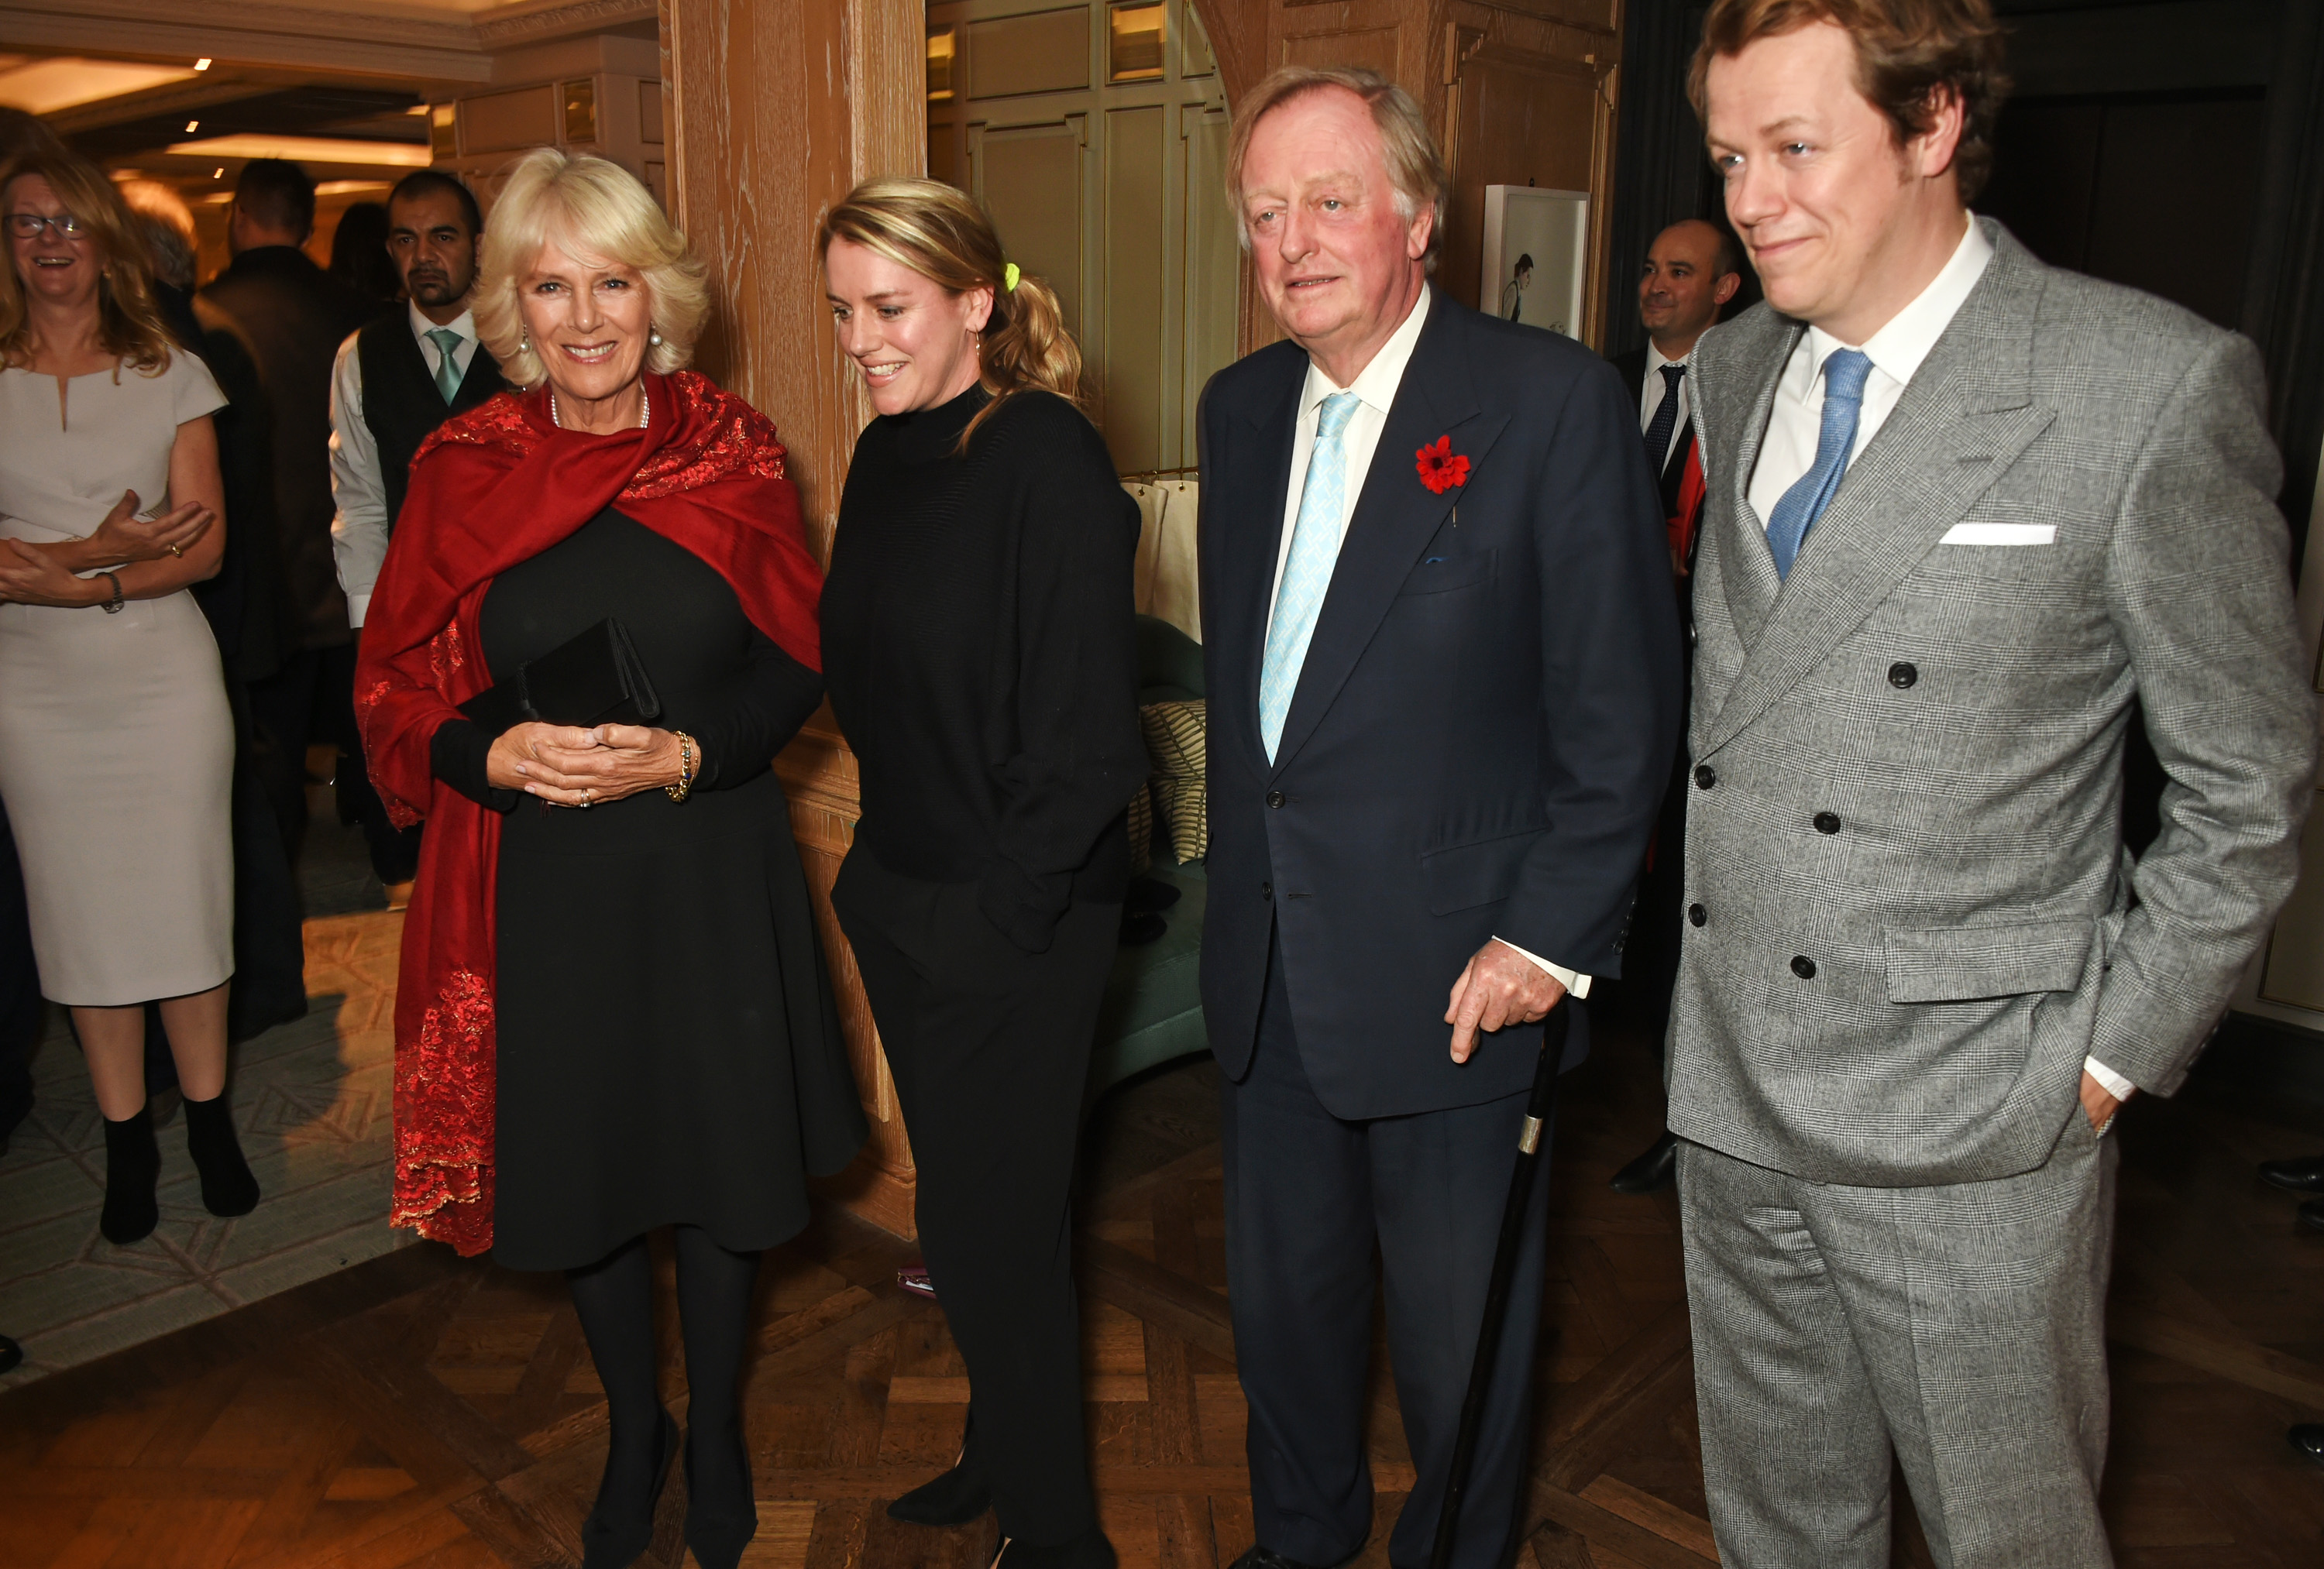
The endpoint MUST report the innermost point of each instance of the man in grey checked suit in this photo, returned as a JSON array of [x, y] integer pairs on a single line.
[[1965, 512]]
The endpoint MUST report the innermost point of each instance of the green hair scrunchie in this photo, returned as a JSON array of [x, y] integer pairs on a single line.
[[1008, 276]]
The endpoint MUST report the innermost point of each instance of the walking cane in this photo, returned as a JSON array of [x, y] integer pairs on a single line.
[[1538, 1107]]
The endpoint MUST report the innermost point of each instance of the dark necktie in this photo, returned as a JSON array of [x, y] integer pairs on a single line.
[[1665, 420]]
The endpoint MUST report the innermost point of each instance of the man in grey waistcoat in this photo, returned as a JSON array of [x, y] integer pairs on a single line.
[[1968, 515]]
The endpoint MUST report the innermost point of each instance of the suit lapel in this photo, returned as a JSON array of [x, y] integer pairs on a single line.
[[1254, 484], [1965, 418], [1395, 514], [1746, 567]]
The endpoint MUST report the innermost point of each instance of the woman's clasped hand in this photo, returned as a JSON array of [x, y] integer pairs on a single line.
[[30, 575], [569, 767]]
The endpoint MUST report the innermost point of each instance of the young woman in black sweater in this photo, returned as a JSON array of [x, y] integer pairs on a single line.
[[981, 656]]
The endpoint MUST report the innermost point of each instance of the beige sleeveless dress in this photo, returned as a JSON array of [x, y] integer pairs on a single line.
[[116, 745]]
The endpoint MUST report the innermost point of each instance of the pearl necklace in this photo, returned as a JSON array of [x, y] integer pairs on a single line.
[[645, 411]]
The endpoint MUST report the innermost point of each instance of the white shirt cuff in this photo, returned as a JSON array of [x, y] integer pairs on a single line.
[[1576, 984], [2113, 1083], [356, 605]]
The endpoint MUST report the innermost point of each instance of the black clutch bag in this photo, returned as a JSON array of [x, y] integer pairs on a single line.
[[593, 679]]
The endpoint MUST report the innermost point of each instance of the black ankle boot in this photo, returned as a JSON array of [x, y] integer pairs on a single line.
[[957, 1497], [1090, 1550], [722, 1515], [620, 1527], [227, 1187], [132, 1162]]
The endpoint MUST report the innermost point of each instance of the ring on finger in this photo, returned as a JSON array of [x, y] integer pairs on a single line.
[[178, 553]]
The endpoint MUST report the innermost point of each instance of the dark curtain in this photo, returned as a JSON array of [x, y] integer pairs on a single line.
[[2283, 296]]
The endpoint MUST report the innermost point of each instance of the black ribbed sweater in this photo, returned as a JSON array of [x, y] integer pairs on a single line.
[[980, 653]]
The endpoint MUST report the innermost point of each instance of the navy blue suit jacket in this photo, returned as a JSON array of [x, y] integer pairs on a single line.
[[1483, 726]]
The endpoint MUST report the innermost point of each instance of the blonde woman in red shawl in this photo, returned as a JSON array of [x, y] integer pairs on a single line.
[[613, 1014]]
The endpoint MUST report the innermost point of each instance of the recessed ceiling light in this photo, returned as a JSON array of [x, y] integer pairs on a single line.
[[202, 64], [193, 125]]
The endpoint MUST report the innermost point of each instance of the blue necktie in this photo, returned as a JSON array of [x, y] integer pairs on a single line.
[[1665, 420], [1844, 373], [447, 374], [1307, 570]]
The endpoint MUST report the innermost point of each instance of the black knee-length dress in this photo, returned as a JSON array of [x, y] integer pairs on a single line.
[[669, 1051]]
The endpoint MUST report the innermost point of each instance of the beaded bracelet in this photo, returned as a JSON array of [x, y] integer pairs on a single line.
[[684, 786]]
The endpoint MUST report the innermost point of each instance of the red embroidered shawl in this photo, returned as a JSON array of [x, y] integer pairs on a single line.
[[490, 489]]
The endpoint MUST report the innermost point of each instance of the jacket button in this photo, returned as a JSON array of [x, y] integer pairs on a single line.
[[1275, 798], [1267, 890], [1804, 966], [1705, 776], [1827, 822], [1696, 914], [1902, 676]]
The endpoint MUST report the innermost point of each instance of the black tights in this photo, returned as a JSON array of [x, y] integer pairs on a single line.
[[614, 1298]]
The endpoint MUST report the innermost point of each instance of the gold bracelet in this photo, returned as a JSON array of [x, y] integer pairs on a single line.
[[686, 763]]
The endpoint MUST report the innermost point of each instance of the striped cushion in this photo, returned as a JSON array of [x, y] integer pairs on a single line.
[[1141, 831], [1177, 739]]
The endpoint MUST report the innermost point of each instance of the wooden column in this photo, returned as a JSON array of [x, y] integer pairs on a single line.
[[778, 108]]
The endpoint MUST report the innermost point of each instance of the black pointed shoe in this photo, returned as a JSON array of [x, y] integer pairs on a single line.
[[957, 1497], [2307, 1437], [133, 1164], [1652, 1171], [1090, 1550], [620, 1529], [2303, 1176]]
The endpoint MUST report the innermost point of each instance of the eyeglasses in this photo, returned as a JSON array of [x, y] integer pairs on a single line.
[[30, 226]]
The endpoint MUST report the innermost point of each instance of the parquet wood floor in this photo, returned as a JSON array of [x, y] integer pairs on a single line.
[[419, 1410]]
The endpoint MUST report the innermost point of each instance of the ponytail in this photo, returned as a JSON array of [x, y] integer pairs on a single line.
[[939, 233]]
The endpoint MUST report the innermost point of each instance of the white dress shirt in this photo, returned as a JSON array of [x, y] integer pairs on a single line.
[[1895, 351], [360, 526], [1375, 387], [1651, 392]]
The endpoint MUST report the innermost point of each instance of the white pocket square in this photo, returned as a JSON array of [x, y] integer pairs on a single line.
[[2001, 534]]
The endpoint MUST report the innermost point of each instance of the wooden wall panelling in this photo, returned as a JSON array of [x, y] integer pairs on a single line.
[[1528, 99], [778, 108]]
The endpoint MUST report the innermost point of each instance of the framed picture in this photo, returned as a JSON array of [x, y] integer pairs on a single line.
[[1537, 254]]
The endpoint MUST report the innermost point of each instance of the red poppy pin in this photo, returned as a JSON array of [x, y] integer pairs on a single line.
[[1441, 468]]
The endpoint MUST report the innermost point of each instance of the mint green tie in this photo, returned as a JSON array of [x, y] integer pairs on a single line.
[[447, 374]]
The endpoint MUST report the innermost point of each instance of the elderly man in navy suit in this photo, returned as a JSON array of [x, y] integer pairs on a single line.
[[1443, 667]]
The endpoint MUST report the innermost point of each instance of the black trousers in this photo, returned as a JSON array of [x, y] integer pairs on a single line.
[[311, 699], [990, 1047], [1308, 1197]]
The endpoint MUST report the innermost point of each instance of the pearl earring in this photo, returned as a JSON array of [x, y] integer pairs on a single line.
[[653, 336], [524, 343]]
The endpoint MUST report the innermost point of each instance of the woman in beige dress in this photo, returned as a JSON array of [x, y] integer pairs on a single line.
[[117, 746]]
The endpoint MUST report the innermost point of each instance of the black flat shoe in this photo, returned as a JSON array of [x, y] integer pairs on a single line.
[[2308, 1439], [133, 1164], [1090, 1550], [11, 1356], [2311, 1215], [1651, 1171], [2295, 1176], [957, 1497], [618, 1530], [720, 1520]]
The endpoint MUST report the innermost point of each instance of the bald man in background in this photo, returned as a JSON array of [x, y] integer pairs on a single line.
[[1693, 268]]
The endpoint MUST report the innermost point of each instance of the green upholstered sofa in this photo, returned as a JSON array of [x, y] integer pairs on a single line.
[[1152, 1010]]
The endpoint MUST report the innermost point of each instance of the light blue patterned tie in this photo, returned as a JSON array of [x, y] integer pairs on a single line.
[[447, 374], [1844, 373], [1307, 570]]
